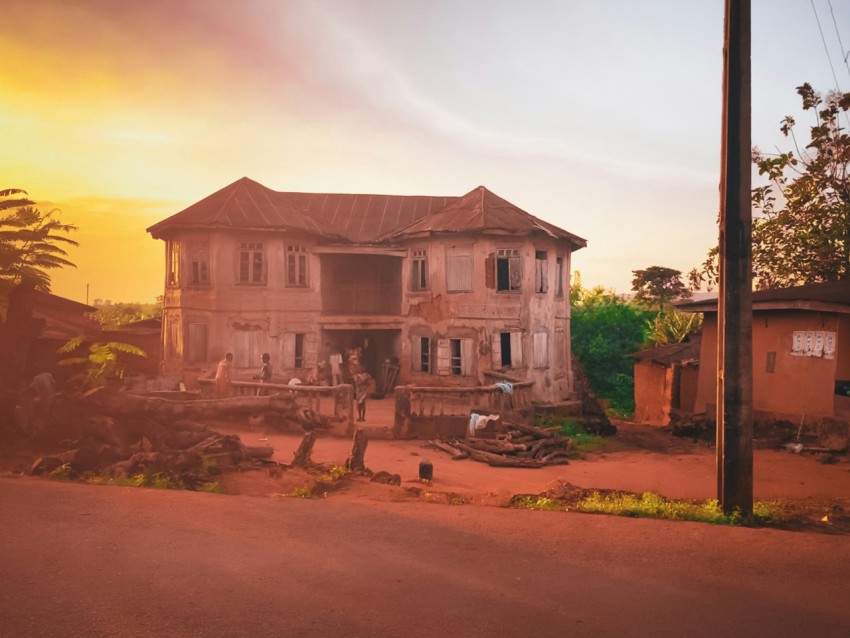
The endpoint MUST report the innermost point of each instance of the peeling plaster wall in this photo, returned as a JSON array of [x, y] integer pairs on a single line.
[[215, 317]]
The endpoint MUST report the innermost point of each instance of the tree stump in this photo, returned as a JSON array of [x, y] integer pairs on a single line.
[[302, 454], [358, 451]]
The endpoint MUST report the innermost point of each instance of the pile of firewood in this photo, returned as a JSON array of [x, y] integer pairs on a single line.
[[517, 446]]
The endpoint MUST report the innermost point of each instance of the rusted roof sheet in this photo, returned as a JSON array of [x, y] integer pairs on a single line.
[[246, 204], [828, 292], [671, 353], [63, 318], [481, 210]]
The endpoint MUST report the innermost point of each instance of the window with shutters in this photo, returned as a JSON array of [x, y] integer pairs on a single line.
[[541, 349], [298, 350], [296, 266], [455, 357], [459, 269], [506, 350], [248, 347], [508, 270], [420, 360], [199, 261], [419, 270], [559, 276], [541, 271], [172, 276], [252, 267], [197, 346]]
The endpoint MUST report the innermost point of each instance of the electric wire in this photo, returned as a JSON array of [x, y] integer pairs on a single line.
[[844, 53], [828, 57]]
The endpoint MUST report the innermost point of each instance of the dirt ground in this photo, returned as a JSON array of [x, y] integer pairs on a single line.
[[638, 459]]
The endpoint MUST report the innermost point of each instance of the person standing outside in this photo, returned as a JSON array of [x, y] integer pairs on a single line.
[[222, 377], [265, 375]]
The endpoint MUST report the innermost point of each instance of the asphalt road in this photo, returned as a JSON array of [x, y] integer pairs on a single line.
[[91, 561]]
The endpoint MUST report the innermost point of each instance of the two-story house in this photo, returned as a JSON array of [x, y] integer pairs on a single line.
[[450, 288]]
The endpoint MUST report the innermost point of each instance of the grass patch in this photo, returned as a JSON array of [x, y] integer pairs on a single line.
[[570, 427], [650, 505], [159, 481], [301, 492]]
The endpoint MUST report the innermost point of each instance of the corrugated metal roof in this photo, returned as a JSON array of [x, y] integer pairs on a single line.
[[354, 217], [829, 292], [671, 353], [481, 210]]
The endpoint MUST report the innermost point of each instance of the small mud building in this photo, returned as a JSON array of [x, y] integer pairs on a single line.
[[450, 289], [801, 357]]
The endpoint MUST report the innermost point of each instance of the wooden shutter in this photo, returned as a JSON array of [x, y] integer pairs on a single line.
[[496, 350], [444, 356], [541, 349], [311, 350], [197, 343], [466, 357], [516, 349], [416, 354], [288, 350]]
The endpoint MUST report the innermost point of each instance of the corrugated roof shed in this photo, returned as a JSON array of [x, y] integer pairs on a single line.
[[828, 292], [671, 353], [246, 204]]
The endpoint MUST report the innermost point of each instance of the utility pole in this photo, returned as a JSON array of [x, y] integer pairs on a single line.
[[734, 307]]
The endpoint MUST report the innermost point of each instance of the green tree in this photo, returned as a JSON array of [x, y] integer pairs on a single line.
[[672, 327], [605, 329], [112, 315], [102, 363], [658, 286], [805, 236], [31, 242], [801, 224]]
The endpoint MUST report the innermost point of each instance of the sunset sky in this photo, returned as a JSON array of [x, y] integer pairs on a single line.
[[600, 116]]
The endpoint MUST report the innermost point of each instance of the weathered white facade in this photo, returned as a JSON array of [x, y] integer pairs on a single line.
[[451, 298]]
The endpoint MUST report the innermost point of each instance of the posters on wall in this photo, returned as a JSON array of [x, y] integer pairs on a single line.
[[813, 343]]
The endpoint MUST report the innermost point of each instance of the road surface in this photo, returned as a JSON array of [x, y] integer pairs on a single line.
[[78, 560]]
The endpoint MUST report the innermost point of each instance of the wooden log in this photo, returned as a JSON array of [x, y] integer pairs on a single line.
[[123, 404], [498, 460], [456, 454], [356, 461], [499, 447], [302, 454], [533, 431]]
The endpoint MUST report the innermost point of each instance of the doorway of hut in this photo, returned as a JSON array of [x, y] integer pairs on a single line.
[[377, 350]]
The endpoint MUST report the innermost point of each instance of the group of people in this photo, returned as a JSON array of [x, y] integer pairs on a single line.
[[360, 378], [223, 374]]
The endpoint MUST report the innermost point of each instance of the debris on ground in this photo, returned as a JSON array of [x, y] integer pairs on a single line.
[[510, 445]]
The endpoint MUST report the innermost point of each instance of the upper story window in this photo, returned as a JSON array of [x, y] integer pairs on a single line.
[[419, 270], [252, 267], [541, 271], [559, 276], [296, 266], [508, 270], [459, 269], [199, 259], [172, 268]]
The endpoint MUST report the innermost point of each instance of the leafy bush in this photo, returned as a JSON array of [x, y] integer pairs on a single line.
[[603, 333]]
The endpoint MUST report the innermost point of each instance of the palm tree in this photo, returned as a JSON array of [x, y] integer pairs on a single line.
[[30, 242]]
